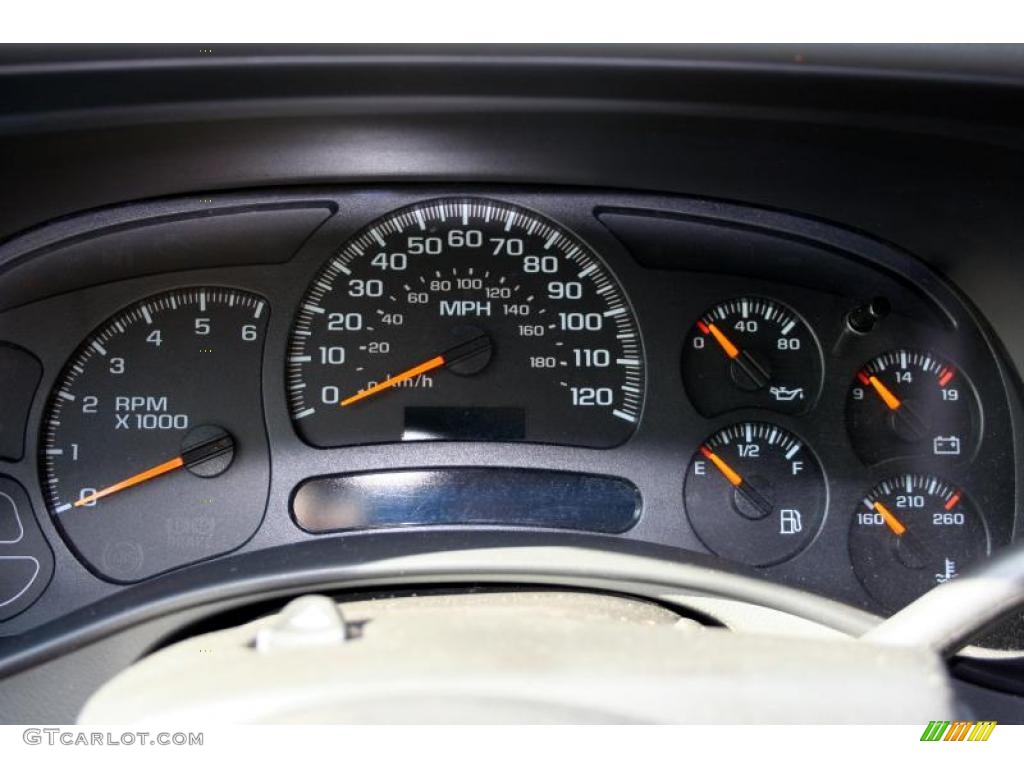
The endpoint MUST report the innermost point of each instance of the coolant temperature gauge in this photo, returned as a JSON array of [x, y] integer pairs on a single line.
[[912, 533]]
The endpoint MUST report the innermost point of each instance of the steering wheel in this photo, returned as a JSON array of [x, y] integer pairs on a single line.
[[568, 634]]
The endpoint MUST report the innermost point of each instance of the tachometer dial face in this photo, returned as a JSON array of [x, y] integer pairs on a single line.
[[152, 458], [755, 494], [912, 533], [751, 353], [910, 403], [465, 319]]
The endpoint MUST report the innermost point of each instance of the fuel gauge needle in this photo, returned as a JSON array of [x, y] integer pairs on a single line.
[[750, 492]]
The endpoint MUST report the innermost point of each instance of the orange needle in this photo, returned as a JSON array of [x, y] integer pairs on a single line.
[[890, 519], [730, 349], [890, 400], [416, 370], [141, 477], [730, 474]]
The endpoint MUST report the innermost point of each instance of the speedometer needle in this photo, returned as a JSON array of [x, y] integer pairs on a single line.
[[416, 370], [475, 346]]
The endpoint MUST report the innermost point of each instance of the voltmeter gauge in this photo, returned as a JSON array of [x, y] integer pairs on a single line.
[[912, 533], [910, 403], [751, 353], [755, 494]]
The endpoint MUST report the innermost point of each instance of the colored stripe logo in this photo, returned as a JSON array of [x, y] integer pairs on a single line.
[[958, 730]]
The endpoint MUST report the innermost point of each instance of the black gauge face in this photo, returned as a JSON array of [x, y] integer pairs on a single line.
[[755, 494], [913, 533], [909, 403], [751, 353], [465, 319], [153, 457]]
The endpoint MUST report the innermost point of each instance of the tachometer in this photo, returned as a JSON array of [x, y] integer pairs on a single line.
[[465, 319], [151, 457]]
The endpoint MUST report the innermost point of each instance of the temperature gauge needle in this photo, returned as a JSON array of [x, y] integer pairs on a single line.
[[752, 495], [890, 519], [219, 444], [475, 346]]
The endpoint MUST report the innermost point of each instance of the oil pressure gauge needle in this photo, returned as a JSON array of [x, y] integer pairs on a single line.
[[222, 443], [756, 372]]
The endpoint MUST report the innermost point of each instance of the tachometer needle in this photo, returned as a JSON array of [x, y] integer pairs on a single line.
[[218, 444], [890, 519], [140, 477], [475, 346]]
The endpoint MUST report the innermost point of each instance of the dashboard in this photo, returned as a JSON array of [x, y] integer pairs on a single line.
[[790, 397], [271, 312]]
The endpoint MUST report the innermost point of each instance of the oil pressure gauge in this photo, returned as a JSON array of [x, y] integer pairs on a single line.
[[751, 353]]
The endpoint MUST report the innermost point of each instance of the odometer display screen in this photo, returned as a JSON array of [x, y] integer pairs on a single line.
[[465, 319]]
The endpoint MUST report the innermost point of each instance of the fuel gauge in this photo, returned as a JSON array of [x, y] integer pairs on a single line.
[[755, 493]]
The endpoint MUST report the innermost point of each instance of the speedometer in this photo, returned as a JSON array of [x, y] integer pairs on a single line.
[[465, 319]]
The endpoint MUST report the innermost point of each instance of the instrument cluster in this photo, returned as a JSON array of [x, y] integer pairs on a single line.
[[787, 396]]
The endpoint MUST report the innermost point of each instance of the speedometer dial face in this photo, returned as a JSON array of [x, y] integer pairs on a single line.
[[465, 319], [151, 458]]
